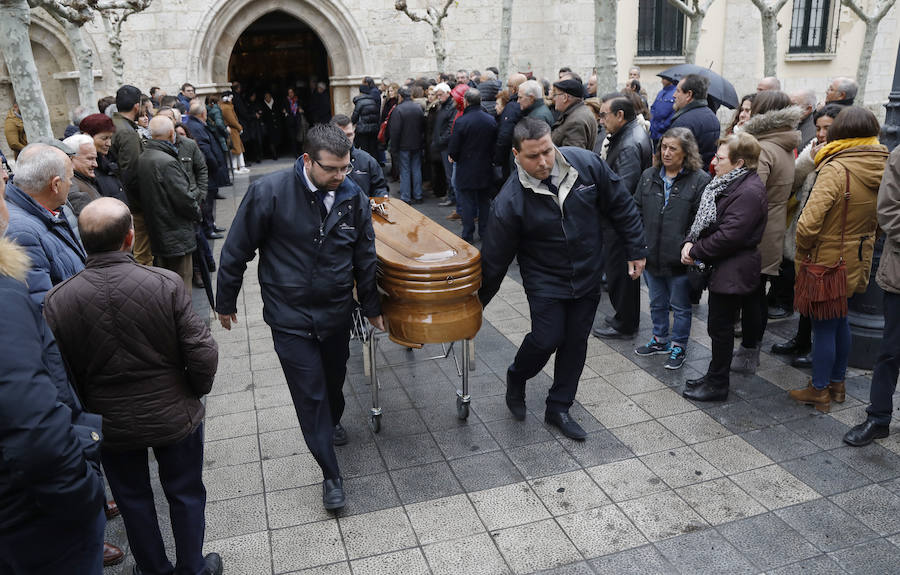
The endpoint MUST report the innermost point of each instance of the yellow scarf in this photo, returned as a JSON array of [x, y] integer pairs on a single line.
[[836, 146]]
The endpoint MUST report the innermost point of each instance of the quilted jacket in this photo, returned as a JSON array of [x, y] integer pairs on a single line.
[[136, 351]]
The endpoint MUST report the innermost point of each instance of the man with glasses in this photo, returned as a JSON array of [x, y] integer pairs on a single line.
[[312, 227], [576, 125]]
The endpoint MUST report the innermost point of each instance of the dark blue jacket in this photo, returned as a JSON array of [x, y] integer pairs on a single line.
[[703, 123], [306, 267], [512, 113], [367, 174], [216, 164], [52, 242], [406, 127], [471, 147], [661, 112], [559, 251]]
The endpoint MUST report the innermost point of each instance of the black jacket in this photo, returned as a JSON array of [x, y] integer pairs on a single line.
[[443, 125], [539, 111], [559, 251], [216, 164], [365, 114], [630, 153], [512, 113], [367, 174], [703, 123], [307, 267], [107, 175], [407, 127], [666, 225], [471, 146]]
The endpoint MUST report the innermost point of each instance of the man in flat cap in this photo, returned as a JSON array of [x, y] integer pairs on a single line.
[[576, 125]]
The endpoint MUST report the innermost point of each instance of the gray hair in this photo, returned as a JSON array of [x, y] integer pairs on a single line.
[[692, 161], [37, 165], [79, 114], [473, 97], [532, 88], [197, 108], [75, 142], [805, 97], [488, 75], [848, 86]]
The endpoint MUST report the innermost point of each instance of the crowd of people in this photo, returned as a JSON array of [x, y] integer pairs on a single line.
[[104, 232]]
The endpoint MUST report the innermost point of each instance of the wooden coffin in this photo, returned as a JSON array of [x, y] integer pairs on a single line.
[[428, 277]]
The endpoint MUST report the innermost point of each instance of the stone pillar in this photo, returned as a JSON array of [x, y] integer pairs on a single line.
[[344, 88]]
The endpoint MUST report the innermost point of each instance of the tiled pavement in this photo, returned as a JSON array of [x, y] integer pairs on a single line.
[[662, 485]]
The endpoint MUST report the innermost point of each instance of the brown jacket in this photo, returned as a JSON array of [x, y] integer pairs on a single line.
[[14, 128], [819, 228], [888, 276], [577, 127], [778, 138], [136, 351], [234, 127]]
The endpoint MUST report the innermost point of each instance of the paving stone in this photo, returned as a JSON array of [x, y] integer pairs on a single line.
[[597, 390], [511, 433], [774, 487], [662, 402], [369, 493], [229, 403], [752, 386], [321, 544], [342, 568], [464, 441], [282, 443], [874, 506], [269, 378], [740, 417], [825, 473], [619, 411], [235, 481], [694, 427], [768, 541], [662, 515], [569, 492], [234, 364], [401, 423], [425, 482], [720, 501], [485, 471], [399, 452], [377, 532], [647, 437], [297, 506], [825, 525], [873, 461], [680, 467], [634, 382], [704, 552], [275, 396], [277, 418], [409, 561], [599, 447], [535, 546], [244, 554], [824, 431], [645, 560], [508, 505], [232, 425], [231, 383], [580, 568], [359, 458], [232, 517], [233, 451], [584, 418], [779, 443], [609, 364], [871, 558], [540, 459], [601, 531], [474, 554], [443, 519], [627, 479], [732, 454], [293, 471]]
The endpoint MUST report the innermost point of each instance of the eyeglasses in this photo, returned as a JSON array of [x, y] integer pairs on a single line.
[[345, 170], [601, 115]]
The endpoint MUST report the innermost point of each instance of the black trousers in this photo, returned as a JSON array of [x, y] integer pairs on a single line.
[[208, 210], [781, 294], [561, 326], [754, 315], [887, 367], [181, 475], [624, 292], [720, 328], [315, 372], [63, 542]]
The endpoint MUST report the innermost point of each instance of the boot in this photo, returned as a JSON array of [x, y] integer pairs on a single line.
[[810, 395], [706, 391], [838, 392], [745, 360]]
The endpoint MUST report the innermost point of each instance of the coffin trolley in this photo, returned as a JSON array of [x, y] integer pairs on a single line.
[[428, 279]]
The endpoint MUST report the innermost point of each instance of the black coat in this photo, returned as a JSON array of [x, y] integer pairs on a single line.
[[107, 175], [666, 225], [559, 250], [216, 164], [407, 127], [367, 174], [271, 122], [703, 123], [471, 147], [365, 114], [512, 113], [443, 125], [630, 153], [307, 267]]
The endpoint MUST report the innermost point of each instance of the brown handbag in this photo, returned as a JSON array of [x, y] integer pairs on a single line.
[[820, 292]]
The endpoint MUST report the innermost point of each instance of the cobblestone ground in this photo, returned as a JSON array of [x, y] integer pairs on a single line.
[[662, 485]]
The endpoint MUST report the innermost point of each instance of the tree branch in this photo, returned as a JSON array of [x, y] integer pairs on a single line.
[[77, 12], [684, 8], [857, 9], [443, 13], [402, 7]]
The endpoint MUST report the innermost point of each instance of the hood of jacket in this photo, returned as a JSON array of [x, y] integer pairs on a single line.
[[361, 95], [783, 122], [866, 163], [14, 261]]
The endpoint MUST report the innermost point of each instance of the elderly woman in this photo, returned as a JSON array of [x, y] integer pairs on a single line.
[[668, 195], [838, 223], [100, 127], [724, 236]]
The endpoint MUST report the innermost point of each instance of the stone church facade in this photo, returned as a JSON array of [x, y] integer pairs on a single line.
[[176, 41]]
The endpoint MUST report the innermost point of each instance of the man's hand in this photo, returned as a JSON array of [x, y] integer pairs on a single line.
[[636, 267], [227, 320], [377, 321], [686, 258]]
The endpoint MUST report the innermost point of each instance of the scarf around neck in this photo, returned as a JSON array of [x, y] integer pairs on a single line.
[[706, 213], [832, 148]]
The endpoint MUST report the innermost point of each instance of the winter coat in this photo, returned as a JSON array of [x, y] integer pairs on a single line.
[[52, 242], [407, 127], [630, 152], [107, 175], [471, 146], [667, 224], [804, 180], [661, 112], [365, 114], [778, 138], [511, 115], [49, 467], [125, 151], [234, 128], [194, 164], [216, 123], [216, 163], [807, 130], [559, 248], [82, 192], [14, 128], [170, 209], [888, 276], [703, 123], [443, 124], [819, 228], [489, 90], [367, 174], [307, 267], [539, 111], [270, 118], [730, 244], [147, 386], [577, 127]]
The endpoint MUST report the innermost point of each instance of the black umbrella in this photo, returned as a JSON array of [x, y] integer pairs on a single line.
[[720, 89]]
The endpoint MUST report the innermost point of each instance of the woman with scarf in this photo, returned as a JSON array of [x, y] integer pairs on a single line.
[[849, 168], [724, 237]]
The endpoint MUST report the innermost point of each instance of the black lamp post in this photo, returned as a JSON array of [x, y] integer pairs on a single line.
[[865, 312]]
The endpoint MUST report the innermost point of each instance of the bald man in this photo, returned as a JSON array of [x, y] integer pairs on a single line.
[[768, 83], [512, 113], [170, 209]]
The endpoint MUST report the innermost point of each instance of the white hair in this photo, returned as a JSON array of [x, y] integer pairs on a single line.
[[806, 97], [75, 142], [488, 75], [37, 165], [532, 88], [848, 86], [79, 114], [442, 87]]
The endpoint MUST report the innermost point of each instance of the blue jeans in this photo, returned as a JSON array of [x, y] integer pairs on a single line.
[[674, 291], [471, 204], [831, 350], [448, 173], [410, 165]]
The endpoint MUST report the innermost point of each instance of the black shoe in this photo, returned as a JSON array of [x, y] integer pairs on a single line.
[[803, 361], [218, 229], [706, 391], [213, 564], [609, 332], [692, 383], [220, 196], [563, 422], [865, 433], [790, 347], [515, 398], [340, 435], [333, 494], [214, 236], [779, 313]]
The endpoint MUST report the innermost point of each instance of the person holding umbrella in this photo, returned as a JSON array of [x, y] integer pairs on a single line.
[[692, 112]]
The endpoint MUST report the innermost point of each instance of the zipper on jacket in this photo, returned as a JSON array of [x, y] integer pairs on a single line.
[[862, 240]]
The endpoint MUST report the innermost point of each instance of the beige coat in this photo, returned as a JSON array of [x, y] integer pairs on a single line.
[[778, 138], [14, 128], [577, 127], [888, 276], [819, 228], [234, 127]]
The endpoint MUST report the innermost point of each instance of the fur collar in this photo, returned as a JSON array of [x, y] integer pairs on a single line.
[[13, 260], [774, 121]]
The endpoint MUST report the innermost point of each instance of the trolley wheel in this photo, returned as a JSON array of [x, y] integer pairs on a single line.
[[462, 408], [375, 422]]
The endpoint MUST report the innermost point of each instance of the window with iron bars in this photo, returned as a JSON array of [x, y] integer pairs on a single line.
[[660, 29], [811, 25]]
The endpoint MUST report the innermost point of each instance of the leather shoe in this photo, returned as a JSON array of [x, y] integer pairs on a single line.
[[112, 509], [340, 435], [219, 229], [802, 361], [333, 494], [609, 332], [220, 196], [779, 313], [214, 236], [213, 564], [865, 433], [515, 398], [564, 422], [790, 347], [454, 216], [706, 391], [112, 555], [692, 383]]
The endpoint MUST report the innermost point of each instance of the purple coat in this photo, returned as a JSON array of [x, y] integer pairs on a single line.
[[731, 244]]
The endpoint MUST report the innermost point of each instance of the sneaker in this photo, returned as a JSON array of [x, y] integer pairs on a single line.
[[676, 357], [446, 203], [653, 347]]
